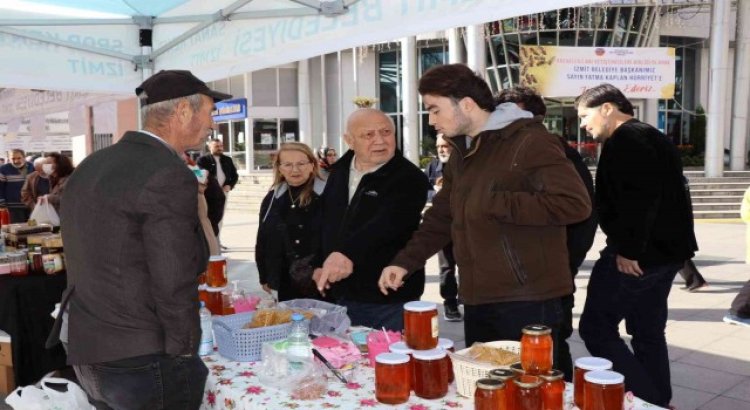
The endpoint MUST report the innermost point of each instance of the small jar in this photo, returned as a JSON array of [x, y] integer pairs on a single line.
[[203, 294], [583, 365], [214, 300], [528, 393], [19, 264], [536, 349], [421, 325], [392, 378], [603, 390], [518, 368], [490, 395], [508, 377], [553, 389], [447, 345], [402, 348], [216, 275], [430, 374]]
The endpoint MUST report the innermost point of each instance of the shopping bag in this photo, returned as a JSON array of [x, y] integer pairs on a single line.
[[54, 394], [44, 213]]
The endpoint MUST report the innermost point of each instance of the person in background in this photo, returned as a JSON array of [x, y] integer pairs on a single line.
[[289, 232], [580, 235], [59, 168], [326, 157], [446, 261], [372, 204], [739, 311], [206, 226], [12, 177], [645, 213], [222, 169], [133, 252], [2, 161], [37, 184], [508, 193]]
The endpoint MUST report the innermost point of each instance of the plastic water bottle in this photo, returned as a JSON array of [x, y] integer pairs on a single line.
[[299, 347], [207, 336]]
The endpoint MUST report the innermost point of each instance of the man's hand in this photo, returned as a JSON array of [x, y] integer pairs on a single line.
[[267, 288], [227, 188], [628, 266], [336, 267], [391, 278]]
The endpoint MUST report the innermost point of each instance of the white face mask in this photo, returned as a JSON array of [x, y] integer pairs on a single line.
[[48, 168]]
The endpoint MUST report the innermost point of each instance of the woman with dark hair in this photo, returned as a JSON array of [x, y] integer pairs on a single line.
[[59, 168], [326, 157]]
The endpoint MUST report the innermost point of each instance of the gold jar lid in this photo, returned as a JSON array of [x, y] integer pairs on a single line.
[[490, 384], [552, 375], [528, 382], [518, 368], [536, 330], [502, 374]]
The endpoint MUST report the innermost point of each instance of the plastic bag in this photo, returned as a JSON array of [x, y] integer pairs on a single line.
[[44, 213], [302, 382], [329, 318], [55, 393]]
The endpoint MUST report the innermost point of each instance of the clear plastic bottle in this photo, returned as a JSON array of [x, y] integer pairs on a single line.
[[299, 347], [207, 336]]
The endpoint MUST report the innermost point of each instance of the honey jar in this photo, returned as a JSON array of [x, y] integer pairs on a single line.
[[216, 275], [392, 378], [421, 325], [583, 365], [603, 390], [536, 349], [528, 393], [402, 348], [490, 395], [553, 389], [508, 377], [447, 345], [516, 367], [430, 373], [214, 300]]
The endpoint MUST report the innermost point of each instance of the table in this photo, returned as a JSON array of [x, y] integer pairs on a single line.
[[25, 306], [235, 385]]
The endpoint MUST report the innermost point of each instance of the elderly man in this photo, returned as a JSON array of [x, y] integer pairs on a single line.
[[12, 177], [134, 248], [644, 209], [37, 184], [371, 205], [508, 193]]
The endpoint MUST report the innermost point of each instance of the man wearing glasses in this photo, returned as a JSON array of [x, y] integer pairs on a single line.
[[371, 206]]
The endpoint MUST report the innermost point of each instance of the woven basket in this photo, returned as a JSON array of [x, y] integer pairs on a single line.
[[244, 345], [468, 371]]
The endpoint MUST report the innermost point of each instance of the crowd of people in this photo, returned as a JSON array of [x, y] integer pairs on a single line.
[[513, 213]]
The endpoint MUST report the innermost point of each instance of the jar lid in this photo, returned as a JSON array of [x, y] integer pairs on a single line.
[[502, 374], [420, 306], [432, 354], [445, 343], [518, 368], [202, 287], [593, 363], [528, 382], [297, 317], [552, 375], [400, 347], [214, 258], [536, 330], [210, 289], [490, 384], [392, 358], [604, 377]]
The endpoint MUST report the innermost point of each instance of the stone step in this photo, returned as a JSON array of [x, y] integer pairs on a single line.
[[735, 192], [716, 206], [716, 215], [734, 199]]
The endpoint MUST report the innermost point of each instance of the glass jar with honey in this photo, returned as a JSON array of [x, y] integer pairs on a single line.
[[508, 377], [603, 390], [490, 395], [402, 348], [392, 378], [528, 393], [421, 325], [581, 366], [430, 374], [518, 368], [553, 389], [447, 345], [214, 300], [216, 275], [536, 349]]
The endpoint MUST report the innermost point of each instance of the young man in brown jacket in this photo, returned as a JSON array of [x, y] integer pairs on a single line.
[[508, 193]]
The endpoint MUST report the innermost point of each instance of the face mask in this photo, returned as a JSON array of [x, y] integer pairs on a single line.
[[48, 168]]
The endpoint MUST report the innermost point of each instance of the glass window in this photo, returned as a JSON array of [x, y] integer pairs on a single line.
[[290, 130], [529, 39], [222, 133], [264, 88], [288, 87], [389, 72], [567, 38], [585, 38], [547, 38], [265, 141], [238, 144], [430, 57]]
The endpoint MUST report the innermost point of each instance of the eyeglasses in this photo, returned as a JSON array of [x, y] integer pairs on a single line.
[[370, 134], [288, 166]]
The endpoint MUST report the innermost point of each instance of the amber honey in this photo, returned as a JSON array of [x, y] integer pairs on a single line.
[[214, 300], [447, 345], [490, 395], [421, 325], [603, 390], [402, 348], [392, 378], [583, 365], [528, 393], [508, 377], [553, 389], [430, 373], [536, 349], [216, 275]]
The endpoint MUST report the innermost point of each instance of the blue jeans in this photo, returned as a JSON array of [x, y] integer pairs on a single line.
[[642, 302], [375, 315], [505, 320], [155, 381]]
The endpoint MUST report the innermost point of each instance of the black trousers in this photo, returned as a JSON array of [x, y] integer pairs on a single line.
[[690, 273], [448, 282], [642, 302], [741, 303], [504, 321]]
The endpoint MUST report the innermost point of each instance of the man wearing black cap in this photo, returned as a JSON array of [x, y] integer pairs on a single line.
[[134, 249]]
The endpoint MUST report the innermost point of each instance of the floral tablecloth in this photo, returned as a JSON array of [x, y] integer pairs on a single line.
[[235, 385]]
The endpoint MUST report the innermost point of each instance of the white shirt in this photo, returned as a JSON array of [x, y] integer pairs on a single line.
[[220, 176], [355, 177]]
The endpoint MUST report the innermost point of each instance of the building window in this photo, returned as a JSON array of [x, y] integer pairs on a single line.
[[675, 114]]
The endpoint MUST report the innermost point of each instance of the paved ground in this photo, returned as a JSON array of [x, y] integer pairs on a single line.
[[710, 359]]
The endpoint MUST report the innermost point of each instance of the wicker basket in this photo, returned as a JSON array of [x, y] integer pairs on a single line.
[[244, 345], [468, 371]]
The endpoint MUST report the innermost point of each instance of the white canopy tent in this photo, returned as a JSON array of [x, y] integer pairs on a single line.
[[109, 46]]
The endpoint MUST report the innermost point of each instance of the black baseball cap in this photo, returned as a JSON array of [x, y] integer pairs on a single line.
[[168, 84]]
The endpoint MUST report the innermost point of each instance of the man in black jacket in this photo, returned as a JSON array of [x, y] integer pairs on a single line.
[[645, 212], [580, 235], [221, 173], [371, 205]]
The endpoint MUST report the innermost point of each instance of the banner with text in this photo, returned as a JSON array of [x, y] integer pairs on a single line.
[[643, 72]]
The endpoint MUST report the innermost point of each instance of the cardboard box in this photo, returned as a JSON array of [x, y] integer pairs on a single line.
[[6, 356], [7, 381]]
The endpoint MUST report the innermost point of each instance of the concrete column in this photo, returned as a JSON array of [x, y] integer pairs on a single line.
[[410, 131], [324, 104], [741, 87], [476, 49], [455, 46], [719, 71], [305, 105]]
